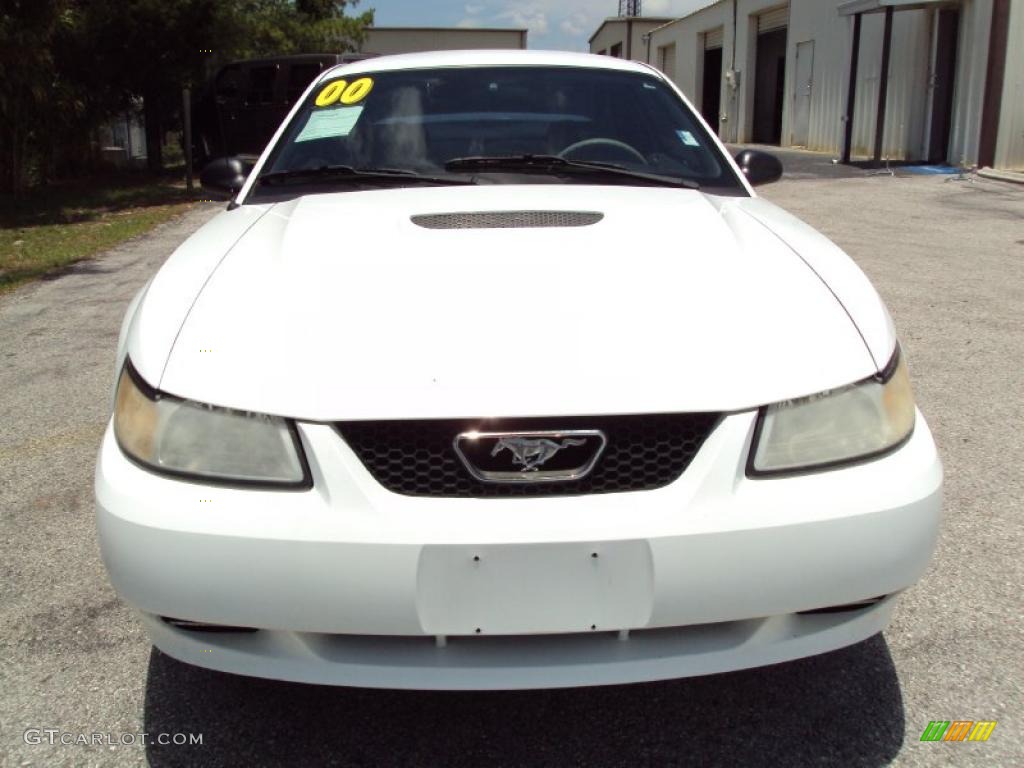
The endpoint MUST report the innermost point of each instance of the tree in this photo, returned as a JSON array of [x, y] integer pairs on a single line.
[[279, 27], [153, 48], [148, 49], [68, 65], [34, 99]]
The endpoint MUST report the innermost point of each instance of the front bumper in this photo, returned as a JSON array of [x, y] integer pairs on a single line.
[[351, 584], [520, 662]]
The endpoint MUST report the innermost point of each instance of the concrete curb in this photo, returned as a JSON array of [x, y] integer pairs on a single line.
[[1013, 177]]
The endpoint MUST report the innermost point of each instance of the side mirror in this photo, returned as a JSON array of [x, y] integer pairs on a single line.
[[759, 167], [224, 176]]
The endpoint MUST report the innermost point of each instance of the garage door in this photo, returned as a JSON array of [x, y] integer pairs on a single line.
[[772, 20], [713, 39]]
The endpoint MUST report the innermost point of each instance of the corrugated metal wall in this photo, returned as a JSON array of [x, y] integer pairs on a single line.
[[819, 21], [1010, 147], [907, 104], [667, 59], [969, 94], [908, 85]]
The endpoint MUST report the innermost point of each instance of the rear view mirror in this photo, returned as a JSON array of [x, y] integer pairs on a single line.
[[759, 167], [224, 176]]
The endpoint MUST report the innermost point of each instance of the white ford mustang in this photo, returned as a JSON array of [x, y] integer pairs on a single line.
[[496, 373]]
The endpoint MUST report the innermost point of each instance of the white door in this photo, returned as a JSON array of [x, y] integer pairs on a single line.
[[804, 81]]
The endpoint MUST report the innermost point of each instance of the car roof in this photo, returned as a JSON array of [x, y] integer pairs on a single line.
[[495, 58]]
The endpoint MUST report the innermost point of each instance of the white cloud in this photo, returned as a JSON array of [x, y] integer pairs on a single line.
[[657, 7], [561, 23], [672, 7], [564, 24], [558, 23], [533, 16], [574, 21], [576, 25]]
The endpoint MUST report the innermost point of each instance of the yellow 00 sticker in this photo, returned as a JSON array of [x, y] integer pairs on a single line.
[[344, 91]]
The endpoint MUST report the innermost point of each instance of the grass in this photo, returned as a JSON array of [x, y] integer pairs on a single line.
[[43, 231]]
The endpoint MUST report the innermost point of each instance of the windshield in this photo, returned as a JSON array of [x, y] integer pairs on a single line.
[[419, 121]]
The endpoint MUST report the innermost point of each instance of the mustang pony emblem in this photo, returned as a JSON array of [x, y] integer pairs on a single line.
[[533, 453], [483, 455]]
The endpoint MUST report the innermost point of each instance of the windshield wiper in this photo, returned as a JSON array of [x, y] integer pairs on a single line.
[[554, 164], [330, 173]]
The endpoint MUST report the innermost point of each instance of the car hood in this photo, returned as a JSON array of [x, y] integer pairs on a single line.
[[339, 306]]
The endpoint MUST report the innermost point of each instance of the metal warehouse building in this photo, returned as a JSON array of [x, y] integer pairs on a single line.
[[388, 40], [921, 80], [625, 37]]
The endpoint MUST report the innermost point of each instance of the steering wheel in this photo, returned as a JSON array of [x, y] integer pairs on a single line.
[[314, 162], [620, 145]]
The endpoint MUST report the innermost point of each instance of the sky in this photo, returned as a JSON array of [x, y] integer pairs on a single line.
[[561, 24]]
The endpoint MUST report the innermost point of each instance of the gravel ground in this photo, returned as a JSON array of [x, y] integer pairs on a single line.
[[948, 259]]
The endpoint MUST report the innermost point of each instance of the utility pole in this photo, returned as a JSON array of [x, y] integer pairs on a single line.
[[629, 8]]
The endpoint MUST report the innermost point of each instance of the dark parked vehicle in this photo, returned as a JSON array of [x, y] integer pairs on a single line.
[[239, 109]]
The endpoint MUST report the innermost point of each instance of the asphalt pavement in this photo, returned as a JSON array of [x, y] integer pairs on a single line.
[[948, 258]]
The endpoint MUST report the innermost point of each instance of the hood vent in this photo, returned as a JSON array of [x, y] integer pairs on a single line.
[[507, 219]]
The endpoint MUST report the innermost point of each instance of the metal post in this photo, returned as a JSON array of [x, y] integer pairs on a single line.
[[883, 86], [851, 94], [186, 114]]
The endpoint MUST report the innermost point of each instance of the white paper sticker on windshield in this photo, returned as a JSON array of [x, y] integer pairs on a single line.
[[687, 138], [330, 123]]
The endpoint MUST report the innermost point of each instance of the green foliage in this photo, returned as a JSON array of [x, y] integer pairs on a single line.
[[27, 77], [45, 229], [66, 66], [277, 27], [144, 45]]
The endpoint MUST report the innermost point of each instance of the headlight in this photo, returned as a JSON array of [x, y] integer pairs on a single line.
[[204, 442], [836, 427]]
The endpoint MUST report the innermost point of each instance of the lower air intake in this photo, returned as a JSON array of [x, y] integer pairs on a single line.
[[200, 626], [846, 607]]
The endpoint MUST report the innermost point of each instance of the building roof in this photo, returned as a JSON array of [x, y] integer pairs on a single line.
[[693, 12], [872, 6], [613, 19], [518, 30]]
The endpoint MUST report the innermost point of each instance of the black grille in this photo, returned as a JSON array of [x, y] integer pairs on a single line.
[[507, 219], [417, 458]]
